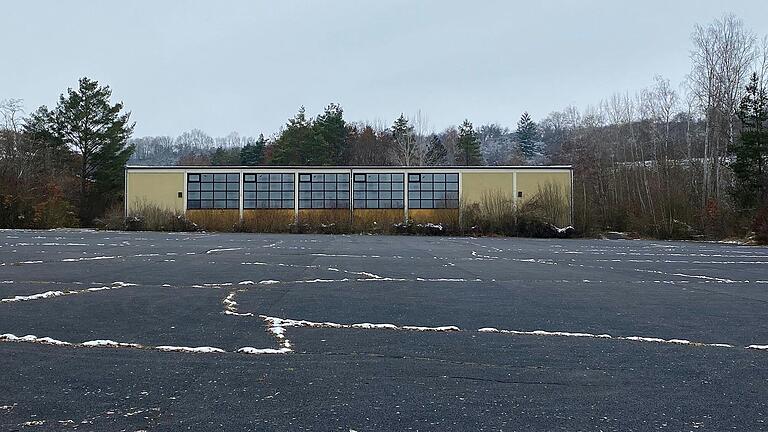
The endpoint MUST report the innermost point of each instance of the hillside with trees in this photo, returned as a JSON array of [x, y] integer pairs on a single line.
[[667, 161]]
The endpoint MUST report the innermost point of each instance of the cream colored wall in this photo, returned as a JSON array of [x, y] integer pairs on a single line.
[[475, 184], [157, 188], [528, 183]]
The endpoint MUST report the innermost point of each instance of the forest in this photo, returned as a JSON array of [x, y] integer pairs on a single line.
[[668, 161]]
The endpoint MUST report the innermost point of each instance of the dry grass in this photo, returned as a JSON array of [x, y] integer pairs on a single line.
[[448, 218], [215, 220], [376, 220], [267, 220], [331, 221]]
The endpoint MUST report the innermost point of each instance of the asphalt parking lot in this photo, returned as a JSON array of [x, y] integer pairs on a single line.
[[156, 331]]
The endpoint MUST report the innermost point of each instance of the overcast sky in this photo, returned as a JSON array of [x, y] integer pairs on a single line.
[[247, 66]]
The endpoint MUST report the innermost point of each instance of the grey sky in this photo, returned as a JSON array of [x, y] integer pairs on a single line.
[[247, 65]]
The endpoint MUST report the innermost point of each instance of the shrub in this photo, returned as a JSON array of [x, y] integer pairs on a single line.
[[146, 217], [760, 226]]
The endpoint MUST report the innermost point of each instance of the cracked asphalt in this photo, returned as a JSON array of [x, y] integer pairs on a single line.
[[662, 303]]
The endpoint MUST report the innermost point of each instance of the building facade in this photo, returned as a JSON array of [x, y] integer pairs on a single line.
[[274, 195]]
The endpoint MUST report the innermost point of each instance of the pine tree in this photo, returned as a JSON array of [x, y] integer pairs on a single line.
[[401, 130], [750, 166], [252, 154], [528, 135], [85, 121], [330, 143], [437, 154], [468, 152], [290, 147]]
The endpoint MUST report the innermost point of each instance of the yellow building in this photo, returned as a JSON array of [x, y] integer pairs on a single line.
[[268, 196]]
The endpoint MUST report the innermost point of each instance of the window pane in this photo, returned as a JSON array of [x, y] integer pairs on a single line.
[[385, 177], [372, 177], [414, 178], [275, 177], [288, 178], [206, 186], [372, 195], [397, 204], [305, 186], [426, 177], [330, 178], [206, 177], [317, 178], [317, 195], [193, 187], [304, 177], [288, 204], [452, 186], [206, 195], [397, 177], [342, 178], [359, 177], [288, 186], [330, 195], [385, 204], [193, 195], [249, 177], [426, 204], [193, 177], [372, 186], [330, 186], [414, 204], [305, 204], [342, 186], [249, 204], [360, 204], [249, 186], [397, 186], [220, 177], [342, 195], [249, 195], [342, 204], [452, 177], [219, 195], [275, 195], [233, 195], [193, 204], [233, 178], [439, 177], [359, 194], [305, 195], [219, 204], [220, 186], [372, 204], [288, 195]]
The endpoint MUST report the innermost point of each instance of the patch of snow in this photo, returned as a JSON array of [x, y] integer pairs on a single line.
[[758, 347], [251, 350], [222, 250], [204, 349], [109, 343]]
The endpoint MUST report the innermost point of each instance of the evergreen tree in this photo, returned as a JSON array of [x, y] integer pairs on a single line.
[[85, 121], [225, 156], [528, 135], [252, 154], [437, 154], [750, 165], [330, 143], [290, 146], [401, 130], [468, 147]]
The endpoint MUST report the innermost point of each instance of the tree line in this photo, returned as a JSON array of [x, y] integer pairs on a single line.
[[665, 161]]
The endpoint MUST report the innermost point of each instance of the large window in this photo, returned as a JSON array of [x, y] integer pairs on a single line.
[[213, 191], [433, 191], [378, 191], [273, 190], [323, 191]]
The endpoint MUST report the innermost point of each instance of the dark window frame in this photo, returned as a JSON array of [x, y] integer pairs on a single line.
[[433, 191], [268, 191], [378, 191], [324, 190], [205, 191]]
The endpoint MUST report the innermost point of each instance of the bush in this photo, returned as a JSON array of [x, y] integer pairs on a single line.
[[760, 226], [496, 213], [146, 217]]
